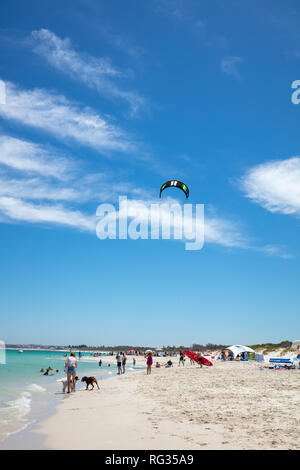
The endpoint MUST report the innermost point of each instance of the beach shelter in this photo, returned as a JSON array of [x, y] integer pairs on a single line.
[[238, 349], [296, 344]]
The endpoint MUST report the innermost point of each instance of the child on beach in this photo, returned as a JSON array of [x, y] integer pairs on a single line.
[[149, 363]]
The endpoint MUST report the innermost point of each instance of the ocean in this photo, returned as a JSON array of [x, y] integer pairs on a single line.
[[26, 394]]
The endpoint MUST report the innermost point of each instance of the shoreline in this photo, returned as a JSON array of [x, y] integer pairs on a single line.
[[27, 437]]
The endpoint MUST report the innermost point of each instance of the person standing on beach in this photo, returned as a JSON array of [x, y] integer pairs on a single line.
[[181, 359], [124, 359], [119, 363], [149, 363], [71, 365], [133, 361], [200, 360]]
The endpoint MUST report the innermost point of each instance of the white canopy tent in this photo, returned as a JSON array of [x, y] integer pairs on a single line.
[[237, 349]]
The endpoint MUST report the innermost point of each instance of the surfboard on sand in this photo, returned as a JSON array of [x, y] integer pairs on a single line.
[[195, 357]]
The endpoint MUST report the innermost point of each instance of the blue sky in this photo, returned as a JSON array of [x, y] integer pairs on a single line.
[[106, 99]]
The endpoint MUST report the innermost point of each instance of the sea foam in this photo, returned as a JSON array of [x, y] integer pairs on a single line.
[[21, 405], [36, 388]]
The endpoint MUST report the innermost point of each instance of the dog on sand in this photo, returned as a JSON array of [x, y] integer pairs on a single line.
[[65, 384], [90, 381]]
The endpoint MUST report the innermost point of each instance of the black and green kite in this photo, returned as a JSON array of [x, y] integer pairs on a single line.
[[175, 184]]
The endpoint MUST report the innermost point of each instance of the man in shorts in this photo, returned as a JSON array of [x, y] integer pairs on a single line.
[[119, 358]]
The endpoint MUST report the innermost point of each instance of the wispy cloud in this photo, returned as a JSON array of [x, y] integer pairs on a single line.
[[48, 189], [39, 186], [34, 158], [121, 41], [229, 66], [23, 211], [275, 186], [96, 73], [39, 189], [63, 119]]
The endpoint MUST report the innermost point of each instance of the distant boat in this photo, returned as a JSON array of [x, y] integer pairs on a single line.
[[21, 350]]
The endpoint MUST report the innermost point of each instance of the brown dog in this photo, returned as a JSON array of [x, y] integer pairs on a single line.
[[90, 381]]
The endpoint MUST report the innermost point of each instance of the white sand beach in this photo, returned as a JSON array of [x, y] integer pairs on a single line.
[[232, 405]]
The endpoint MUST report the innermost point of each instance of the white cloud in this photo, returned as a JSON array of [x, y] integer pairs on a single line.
[[96, 73], [65, 120], [23, 211], [229, 66], [39, 186], [30, 157], [275, 186]]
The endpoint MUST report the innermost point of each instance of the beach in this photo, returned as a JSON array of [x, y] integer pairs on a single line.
[[232, 405], [27, 394]]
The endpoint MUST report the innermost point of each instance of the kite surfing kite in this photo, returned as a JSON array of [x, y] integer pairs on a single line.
[[175, 184]]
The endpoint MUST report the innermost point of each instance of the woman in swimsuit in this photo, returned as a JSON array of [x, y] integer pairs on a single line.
[[149, 363]]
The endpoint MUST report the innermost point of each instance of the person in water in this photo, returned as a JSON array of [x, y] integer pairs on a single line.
[[48, 370]]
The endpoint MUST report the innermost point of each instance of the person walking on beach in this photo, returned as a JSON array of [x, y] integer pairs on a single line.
[[181, 359], [71, 366], [133, 361], [200, 360], [124, 359], [149, 363]]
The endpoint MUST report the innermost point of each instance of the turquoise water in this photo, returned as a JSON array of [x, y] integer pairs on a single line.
[[22, 386]]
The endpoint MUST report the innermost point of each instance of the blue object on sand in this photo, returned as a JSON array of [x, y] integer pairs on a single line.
[[280, 360]]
